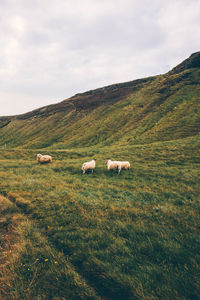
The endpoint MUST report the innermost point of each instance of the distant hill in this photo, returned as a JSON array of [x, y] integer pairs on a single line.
[[158, 108]]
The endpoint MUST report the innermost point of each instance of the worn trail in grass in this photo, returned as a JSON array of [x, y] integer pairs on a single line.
[[30, 267], [133, 235]]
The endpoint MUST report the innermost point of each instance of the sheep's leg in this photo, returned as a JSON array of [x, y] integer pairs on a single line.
[[92, 171]]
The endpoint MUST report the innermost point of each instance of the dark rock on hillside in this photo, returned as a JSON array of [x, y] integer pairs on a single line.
[[4, 122]]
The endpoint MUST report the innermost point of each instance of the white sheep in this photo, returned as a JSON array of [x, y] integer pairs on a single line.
[[44, 158], [112, 164], [90, 165], [123, 165], [118, 165]]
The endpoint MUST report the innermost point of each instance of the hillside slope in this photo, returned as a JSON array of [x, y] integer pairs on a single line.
[[157, 108]]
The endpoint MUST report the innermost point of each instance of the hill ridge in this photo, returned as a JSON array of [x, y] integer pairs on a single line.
[[161, 107], [191, 62]]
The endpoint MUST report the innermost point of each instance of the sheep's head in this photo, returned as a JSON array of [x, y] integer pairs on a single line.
[[39, 155], [108, 161]]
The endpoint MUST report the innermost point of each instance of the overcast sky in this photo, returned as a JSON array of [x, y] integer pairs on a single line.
[[53, 49]]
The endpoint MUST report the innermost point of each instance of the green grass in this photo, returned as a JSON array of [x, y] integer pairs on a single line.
[[30, 267], [128, 236]]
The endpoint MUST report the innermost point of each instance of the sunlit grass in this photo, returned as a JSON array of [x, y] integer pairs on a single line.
[[133, 235]]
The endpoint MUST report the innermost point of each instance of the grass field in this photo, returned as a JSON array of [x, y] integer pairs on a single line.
[[65, 235]]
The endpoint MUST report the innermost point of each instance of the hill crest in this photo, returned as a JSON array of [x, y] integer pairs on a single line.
[[161, 107], [192, 62]]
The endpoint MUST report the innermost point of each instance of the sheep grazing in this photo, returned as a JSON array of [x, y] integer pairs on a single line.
[[90, 165], [118, 165], [112, 164], [42, 159], [123, 165]]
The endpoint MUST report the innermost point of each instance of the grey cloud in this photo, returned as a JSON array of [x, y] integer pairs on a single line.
[[51, 50]]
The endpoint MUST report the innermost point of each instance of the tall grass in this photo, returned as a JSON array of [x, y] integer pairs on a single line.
[[128, 236]]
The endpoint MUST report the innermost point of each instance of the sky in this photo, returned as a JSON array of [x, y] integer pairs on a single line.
[[52, 49]]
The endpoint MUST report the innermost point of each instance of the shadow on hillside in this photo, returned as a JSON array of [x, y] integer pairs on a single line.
[[97, 172]]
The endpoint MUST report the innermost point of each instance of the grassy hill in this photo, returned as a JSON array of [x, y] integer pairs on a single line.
[[158, 108], [104, 236]]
